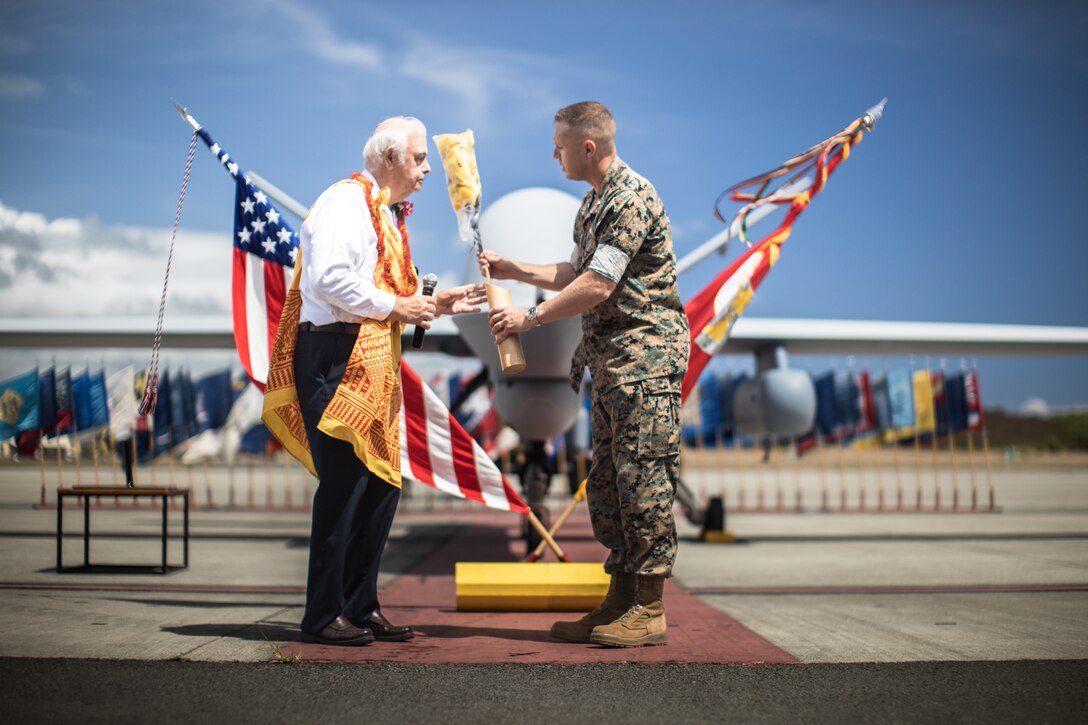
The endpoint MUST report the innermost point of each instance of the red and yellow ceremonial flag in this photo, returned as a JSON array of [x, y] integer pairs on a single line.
[[712, 312]]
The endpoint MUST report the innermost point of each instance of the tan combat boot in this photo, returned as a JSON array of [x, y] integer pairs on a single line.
[[620, 597], [642, 624]]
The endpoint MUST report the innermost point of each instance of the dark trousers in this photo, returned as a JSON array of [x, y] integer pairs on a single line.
[[352, 510]]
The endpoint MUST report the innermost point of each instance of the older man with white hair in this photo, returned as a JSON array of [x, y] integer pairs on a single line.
[[336, 370]]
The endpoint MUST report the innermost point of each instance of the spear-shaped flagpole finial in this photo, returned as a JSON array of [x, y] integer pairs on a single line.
[[186, 115], [873, 115]]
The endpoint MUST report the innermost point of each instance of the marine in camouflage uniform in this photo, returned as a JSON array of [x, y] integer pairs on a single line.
[[622, 280], [635, 344]]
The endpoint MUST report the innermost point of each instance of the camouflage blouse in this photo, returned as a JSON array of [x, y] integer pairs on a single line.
[[641, 330]]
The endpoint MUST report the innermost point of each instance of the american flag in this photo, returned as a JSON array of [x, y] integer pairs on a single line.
[[265, 247], [264, 257], [435, 448]]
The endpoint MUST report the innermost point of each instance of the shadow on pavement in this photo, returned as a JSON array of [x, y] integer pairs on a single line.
[[450, 632], [250, 632], [193, 604]]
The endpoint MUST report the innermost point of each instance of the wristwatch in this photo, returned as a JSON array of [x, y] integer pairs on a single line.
[[530, 315]]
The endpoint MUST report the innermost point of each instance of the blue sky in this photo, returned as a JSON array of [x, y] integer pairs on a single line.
[[963, 206]]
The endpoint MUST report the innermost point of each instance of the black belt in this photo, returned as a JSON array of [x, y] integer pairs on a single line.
[[344, 328]]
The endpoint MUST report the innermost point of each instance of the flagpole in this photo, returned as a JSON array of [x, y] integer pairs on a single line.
[[288, 202], [970, 439], [850, 362], [94, 455], [796, 468], [918, 435], [951, 433], [985, 439], [41, 461], [895, 444], [579, 496], [110, 437], [875, 456], [151, 448], [727, 455], [839, 447], [130, 453], [113, 454], [821, 465], [74, 435], [60, 468], [547, 537]]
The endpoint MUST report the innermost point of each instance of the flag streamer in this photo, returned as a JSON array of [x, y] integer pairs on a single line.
[[712, 312]]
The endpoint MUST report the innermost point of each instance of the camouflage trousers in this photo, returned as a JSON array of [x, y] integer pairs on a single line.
[[632, 481]]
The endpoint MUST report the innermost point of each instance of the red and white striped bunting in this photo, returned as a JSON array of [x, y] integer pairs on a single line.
[[437, 451]]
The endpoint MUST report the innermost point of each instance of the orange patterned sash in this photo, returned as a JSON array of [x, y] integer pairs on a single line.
[[365, 410]]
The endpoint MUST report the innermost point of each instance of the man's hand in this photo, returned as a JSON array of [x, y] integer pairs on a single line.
[[416, 310], [500, 266], [506, 321], [459, 300]]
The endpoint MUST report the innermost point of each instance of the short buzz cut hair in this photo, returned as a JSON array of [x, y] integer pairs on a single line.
[[392, 133], [592, 119]]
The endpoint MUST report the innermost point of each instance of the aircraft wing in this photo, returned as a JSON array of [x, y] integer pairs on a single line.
[[750, 334], [197, 332]]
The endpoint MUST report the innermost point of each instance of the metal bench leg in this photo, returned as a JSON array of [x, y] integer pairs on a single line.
[[86, 530], [186, 536], [164, 508], [60, 528]]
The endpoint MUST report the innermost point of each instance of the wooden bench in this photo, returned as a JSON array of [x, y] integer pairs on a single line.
[[135, 493]]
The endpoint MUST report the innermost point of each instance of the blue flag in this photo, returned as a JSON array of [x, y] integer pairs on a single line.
[[163, 413], [178, 427], [825, 403], [81, 401], [847, 397], [48, 396], [901, 395], [255, 440], [710, 409], [100, 406], [882, 404], [214, 398], [63, 397], [19, 405], [955, 395]]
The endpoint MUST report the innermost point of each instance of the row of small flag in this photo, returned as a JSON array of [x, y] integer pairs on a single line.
[[52, 403], [895, 405]]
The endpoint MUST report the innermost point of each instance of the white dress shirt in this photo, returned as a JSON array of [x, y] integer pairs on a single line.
[[339, 255]]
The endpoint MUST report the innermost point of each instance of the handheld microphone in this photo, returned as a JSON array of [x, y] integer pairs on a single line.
[[430, 281]]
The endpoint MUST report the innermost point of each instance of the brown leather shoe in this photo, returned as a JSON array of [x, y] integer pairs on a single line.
[[341, 632], [385, 631]]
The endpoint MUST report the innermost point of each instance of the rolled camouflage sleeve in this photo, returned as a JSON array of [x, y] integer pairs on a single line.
[[625, 225]]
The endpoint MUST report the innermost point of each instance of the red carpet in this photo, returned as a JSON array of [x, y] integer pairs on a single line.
[[424, 598]]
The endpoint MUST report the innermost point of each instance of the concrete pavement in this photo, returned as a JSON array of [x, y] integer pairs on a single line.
[[825, 588]]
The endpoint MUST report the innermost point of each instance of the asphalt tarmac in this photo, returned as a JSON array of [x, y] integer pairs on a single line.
[[810, 617]]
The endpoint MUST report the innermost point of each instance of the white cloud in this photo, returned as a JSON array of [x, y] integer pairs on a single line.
[[319, 38], [20, 87], [480, 76], [80, 267]]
